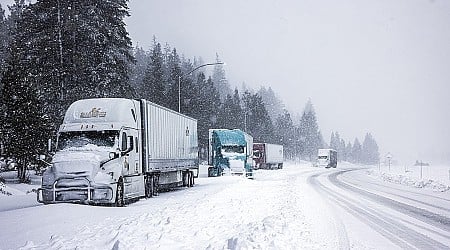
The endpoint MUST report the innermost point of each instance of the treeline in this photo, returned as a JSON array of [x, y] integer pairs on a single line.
[[366, 153], [55, 52]]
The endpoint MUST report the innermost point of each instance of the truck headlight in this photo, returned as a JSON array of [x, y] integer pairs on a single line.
[[102, 194]]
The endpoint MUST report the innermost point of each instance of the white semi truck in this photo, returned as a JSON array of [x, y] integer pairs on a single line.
[[112, 150], [327, 157]]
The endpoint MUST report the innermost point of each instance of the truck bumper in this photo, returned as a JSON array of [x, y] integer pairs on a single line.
[[75, 194]]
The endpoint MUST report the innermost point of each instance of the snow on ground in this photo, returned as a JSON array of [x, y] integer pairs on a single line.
[[436, 178], [279, 209], [228, 212], [15, 195]]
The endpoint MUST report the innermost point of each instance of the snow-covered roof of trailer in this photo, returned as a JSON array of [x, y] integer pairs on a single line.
[[230, 136], [102, 110]]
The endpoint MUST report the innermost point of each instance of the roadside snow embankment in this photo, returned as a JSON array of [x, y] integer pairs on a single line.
[[15, 195], [435, 178], [3, 190]]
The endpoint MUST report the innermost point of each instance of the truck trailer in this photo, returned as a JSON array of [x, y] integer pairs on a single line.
[[327, 158], [268, 156], [230, 149], [113, 150]]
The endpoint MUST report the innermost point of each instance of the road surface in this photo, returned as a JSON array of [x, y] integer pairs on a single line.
[[297, 207], [403, 217]]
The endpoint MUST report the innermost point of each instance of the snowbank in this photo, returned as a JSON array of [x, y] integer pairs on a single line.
[[435, 178], [14, 195]]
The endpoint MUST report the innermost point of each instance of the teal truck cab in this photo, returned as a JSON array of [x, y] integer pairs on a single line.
[[230, 149]]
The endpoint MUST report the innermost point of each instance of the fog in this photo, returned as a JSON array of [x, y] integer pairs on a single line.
[[368, 66]]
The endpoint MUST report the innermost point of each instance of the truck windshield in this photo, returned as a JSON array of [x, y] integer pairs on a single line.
[[233, 149], [79, 139], [323, 157]]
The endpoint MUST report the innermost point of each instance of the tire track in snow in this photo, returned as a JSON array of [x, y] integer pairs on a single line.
[[395, 232], [386, 189], [339, 226], [426, 216]]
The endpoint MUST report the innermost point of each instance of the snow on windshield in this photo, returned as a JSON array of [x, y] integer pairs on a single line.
[[233, 149], [88, 140]]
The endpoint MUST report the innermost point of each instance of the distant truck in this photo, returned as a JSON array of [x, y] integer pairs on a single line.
[[111, 150], [268, 156], [230, 149], [327, 158]]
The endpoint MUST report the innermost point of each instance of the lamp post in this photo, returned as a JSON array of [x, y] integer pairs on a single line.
[[188, 73], [389, 157]]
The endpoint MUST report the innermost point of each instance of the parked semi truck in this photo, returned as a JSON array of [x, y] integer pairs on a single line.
[[111, 150], [268, 156], [327, 158], [230, 149]]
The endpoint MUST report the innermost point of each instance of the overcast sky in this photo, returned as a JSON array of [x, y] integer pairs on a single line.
[[379, 66]]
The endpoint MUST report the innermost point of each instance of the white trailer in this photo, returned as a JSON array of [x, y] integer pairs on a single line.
[[110, 150], [268, 156]]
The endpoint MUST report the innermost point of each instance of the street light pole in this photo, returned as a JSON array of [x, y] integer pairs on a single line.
[[188, 73]]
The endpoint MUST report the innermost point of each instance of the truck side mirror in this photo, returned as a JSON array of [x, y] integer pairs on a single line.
[[123, 146], [127, 147], [131, 147], [113, 155]]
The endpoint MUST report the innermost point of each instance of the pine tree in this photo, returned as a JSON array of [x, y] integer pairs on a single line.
[[189, 89], [174, 72], [236, 111], [153, 85], [4, 42], [24, 128], [369, 151], [333, 141], [356, 151], [348, 152], [284, 128], [308, 133], [256, 118], [208, 117], [274, 106], [75, 50], [137, 72], [341, 151], [220, 80]]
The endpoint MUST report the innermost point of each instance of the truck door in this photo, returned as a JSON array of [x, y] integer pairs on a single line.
[[131, 164], [131, 157]]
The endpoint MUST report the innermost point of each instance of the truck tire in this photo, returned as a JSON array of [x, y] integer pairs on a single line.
[[191, 178], [155, 185], [148, 186], [119, 194], [209, 171]]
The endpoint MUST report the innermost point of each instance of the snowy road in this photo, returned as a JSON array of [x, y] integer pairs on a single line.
[[296, 207], [405, 218]]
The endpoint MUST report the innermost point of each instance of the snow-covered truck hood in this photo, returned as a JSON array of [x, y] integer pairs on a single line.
[[77, 164], [234, 156]]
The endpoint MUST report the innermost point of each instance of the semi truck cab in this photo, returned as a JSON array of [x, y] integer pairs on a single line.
[[327, 158], [230, 149]]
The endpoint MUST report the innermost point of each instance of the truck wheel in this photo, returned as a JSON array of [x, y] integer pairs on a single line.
[[155, 185], [191, 179], [149, 187], [209, 172], [119, 194]]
